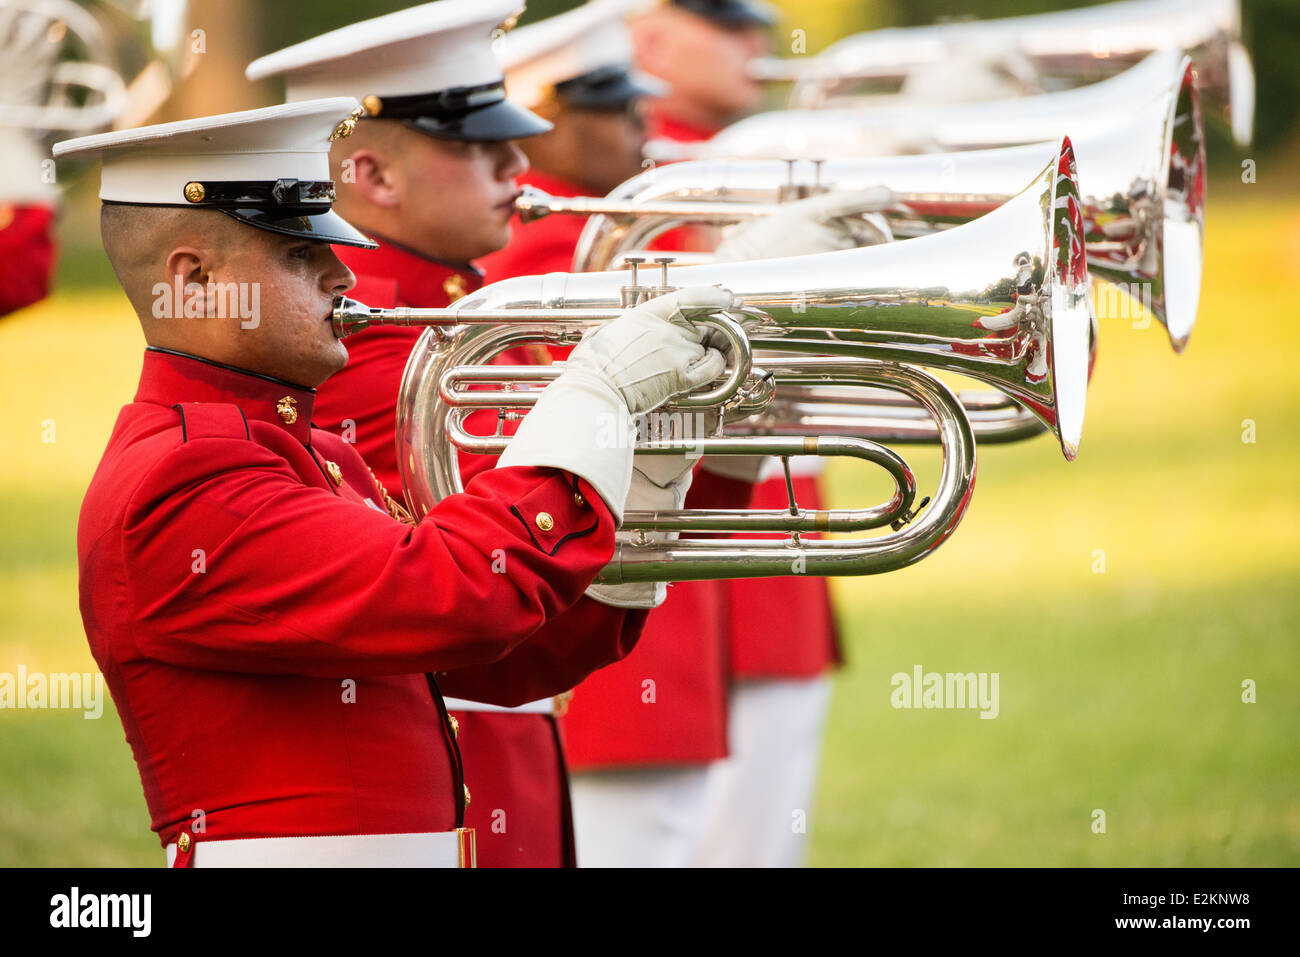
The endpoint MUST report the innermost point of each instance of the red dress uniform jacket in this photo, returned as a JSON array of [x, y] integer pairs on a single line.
[[26, 255], [808, 644], [265, 626], [514, 764], [667, 703]]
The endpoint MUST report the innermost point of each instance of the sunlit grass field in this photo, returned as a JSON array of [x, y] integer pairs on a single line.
[[1120, 691]]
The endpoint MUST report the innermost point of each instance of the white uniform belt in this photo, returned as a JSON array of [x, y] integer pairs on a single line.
[[437, 849], [540, 706]]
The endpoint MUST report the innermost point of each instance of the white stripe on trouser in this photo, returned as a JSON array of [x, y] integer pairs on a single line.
[[760, 797], [641, 817], [430, 849]]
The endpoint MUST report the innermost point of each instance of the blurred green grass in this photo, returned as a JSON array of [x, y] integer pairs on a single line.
[[1119, 691]]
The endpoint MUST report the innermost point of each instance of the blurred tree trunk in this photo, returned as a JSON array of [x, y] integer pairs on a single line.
[[224, 38]]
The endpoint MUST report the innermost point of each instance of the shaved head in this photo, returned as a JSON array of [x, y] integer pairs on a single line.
[[388, 138], [447, 199], [138, 240], [212, 286]]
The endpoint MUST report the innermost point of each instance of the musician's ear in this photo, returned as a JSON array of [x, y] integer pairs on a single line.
[[369, 174]]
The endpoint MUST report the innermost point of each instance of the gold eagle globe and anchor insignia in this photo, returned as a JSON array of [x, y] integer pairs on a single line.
[[346, 127], [508, 24], [287, 409], [454, 286]]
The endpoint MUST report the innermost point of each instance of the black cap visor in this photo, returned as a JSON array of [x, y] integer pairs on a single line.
[[608, 88], [327, 227], [731, 13], [502, 120]]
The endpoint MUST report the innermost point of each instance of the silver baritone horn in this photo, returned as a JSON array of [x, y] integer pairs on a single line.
[[1003, 299], [1037, 53], [1143, 193], [1139, 138]]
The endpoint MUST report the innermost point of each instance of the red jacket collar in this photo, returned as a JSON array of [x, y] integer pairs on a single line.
[[170, 377], [662, 127], [393, 272]]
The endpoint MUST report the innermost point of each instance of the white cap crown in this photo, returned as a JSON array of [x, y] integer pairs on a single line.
[[424, 49]]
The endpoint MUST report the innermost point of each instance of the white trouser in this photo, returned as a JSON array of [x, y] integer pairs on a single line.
[[641, 817], [760, 797]]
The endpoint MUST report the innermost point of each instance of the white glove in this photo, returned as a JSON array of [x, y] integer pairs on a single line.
[[654, 351], [659, 483], [582, 422], [27, 55], [819, 224]]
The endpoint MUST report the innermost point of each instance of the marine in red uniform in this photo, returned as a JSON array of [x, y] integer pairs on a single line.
[[701, 48], [639, 736], [273, 638], [27, 247], [31, 45], [27, 253], [431, 174], [574, 70]]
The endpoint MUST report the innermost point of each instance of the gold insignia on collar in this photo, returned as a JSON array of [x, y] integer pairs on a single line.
[[454, 286], [346, 127], [286, 408], [336, 473], [508, 24]]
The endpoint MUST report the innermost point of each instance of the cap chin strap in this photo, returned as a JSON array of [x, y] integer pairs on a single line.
[[447, 105], [282, 197]]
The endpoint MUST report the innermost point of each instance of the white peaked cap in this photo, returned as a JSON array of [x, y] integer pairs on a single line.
[[591, 38], [269, 167], [395, 65]]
